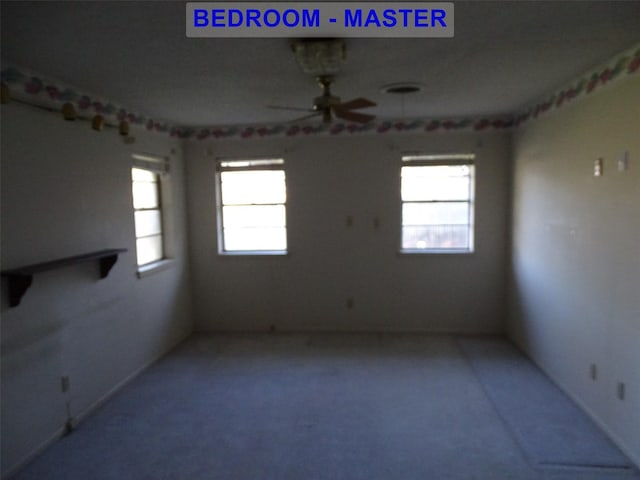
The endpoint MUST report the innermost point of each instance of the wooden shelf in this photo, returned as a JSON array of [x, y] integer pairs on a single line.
[[20, 279]]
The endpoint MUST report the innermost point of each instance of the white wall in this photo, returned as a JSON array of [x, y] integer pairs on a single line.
[[575, 295], [329, 178], [66, 190]]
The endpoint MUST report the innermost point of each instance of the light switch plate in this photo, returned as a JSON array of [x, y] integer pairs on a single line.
[[598, 167], [621, 390], [623, 162]]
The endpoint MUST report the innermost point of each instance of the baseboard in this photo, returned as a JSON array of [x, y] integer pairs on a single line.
[[351, 331], [591, 414], [57, 435], [588, 411], [77, 419]]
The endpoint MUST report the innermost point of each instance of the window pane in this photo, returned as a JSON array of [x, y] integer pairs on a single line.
[[438, 157], [254, 216], [145, 195], [435, 213], [149, 249], [435, 237], [252, 239], [249, 187], [437, 171], [436, 183], [140, 175], [148, 222]]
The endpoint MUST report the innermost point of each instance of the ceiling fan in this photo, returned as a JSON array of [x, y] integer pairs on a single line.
[[328, 105]]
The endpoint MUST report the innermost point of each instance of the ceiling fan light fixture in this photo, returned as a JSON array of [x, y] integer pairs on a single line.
[[319, 56]]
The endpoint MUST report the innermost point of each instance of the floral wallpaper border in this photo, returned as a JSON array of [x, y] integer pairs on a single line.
[[32, 88], [626, 64]]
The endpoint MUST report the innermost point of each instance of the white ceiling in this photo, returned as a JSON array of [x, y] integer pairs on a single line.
[[504, 56]]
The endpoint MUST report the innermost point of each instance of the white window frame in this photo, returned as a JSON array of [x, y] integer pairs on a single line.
[[432, 160], [159, 166], [245, 164]]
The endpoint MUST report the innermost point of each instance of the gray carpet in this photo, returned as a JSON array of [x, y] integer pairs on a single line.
[[300, 407]]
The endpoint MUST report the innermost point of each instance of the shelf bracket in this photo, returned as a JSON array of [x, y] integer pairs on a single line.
[[106, 263], [18, 285]]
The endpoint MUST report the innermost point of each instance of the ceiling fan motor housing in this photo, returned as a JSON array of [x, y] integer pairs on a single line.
[[325, 101]]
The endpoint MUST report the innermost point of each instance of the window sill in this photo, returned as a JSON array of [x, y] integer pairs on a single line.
[[155, 267], [261, 253], [427, 251]]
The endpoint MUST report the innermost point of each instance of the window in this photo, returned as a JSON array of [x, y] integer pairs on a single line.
[[437, 203], [148, 215], [147, 206], [252, 206]]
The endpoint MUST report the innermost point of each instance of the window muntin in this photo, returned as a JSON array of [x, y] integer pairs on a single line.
[[437, 203], [147, 215], [252, 210], [261, 163]]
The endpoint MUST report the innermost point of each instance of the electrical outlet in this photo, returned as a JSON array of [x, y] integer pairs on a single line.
[[65, 383], [350, 303], [621, 390], [593, 371]]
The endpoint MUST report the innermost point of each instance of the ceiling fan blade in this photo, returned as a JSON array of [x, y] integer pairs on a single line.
[[316, 114], [297, 109], [357, 103], [353, 116]]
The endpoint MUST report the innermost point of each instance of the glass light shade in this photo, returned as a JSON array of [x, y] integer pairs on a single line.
[[319, 56]]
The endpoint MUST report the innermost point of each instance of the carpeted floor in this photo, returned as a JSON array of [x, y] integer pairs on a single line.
[[304, 407], [551, 429]]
